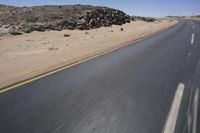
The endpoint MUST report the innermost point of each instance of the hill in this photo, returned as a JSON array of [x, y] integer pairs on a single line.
[[52, 17]]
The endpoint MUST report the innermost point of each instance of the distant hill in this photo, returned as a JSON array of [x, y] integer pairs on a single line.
[[197, 16]]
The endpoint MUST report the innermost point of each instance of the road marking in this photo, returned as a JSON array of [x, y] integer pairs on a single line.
[[193, 27], [192, 40], [60, 69], [174, 111], [196, 101], [189, 123]]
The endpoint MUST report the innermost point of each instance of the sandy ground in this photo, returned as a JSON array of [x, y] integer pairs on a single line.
[[194, 18], [28, 55]]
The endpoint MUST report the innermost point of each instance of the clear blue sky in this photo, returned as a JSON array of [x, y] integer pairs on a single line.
[[132, 7]]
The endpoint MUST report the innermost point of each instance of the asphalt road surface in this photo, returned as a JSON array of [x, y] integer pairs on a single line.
[[130, 90]]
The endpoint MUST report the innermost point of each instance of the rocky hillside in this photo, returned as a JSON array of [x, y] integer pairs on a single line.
[[41, 18], [146, 19], [197, 16]]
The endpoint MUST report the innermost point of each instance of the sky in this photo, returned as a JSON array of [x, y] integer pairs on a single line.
[[154, 8]]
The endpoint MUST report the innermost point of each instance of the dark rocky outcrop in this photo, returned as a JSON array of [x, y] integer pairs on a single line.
[[146, 19], [102, 17], [42, 18], [15, 33]]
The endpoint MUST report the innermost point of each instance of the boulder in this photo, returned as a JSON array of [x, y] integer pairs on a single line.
[[37, 28], [28, 30], [133, 18], [92, 23], [66, 35], [70, 27], [58, 28], [83, 27], [81, 21], [13, 32]]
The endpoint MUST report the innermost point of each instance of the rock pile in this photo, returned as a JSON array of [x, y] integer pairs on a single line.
[[102, 17], [42, 18], [88, 20], [146, 19], [20, 20]]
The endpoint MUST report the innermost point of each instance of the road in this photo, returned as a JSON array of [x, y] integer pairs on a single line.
[[129, 90]]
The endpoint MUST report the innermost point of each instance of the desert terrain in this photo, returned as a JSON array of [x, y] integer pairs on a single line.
[[28, 55]]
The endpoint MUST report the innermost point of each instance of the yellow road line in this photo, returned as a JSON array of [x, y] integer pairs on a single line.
[[68, 66], [55, 71]]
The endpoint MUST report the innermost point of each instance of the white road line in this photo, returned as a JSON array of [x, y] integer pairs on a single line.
[[189, 111], [193, 27], [196, 101], [173, 115], [192, 40]]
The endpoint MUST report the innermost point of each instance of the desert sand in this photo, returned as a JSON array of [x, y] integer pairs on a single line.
[[28, 55], [194, 18]]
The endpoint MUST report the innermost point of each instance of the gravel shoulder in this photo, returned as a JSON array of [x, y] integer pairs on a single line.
[[28, 55]]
